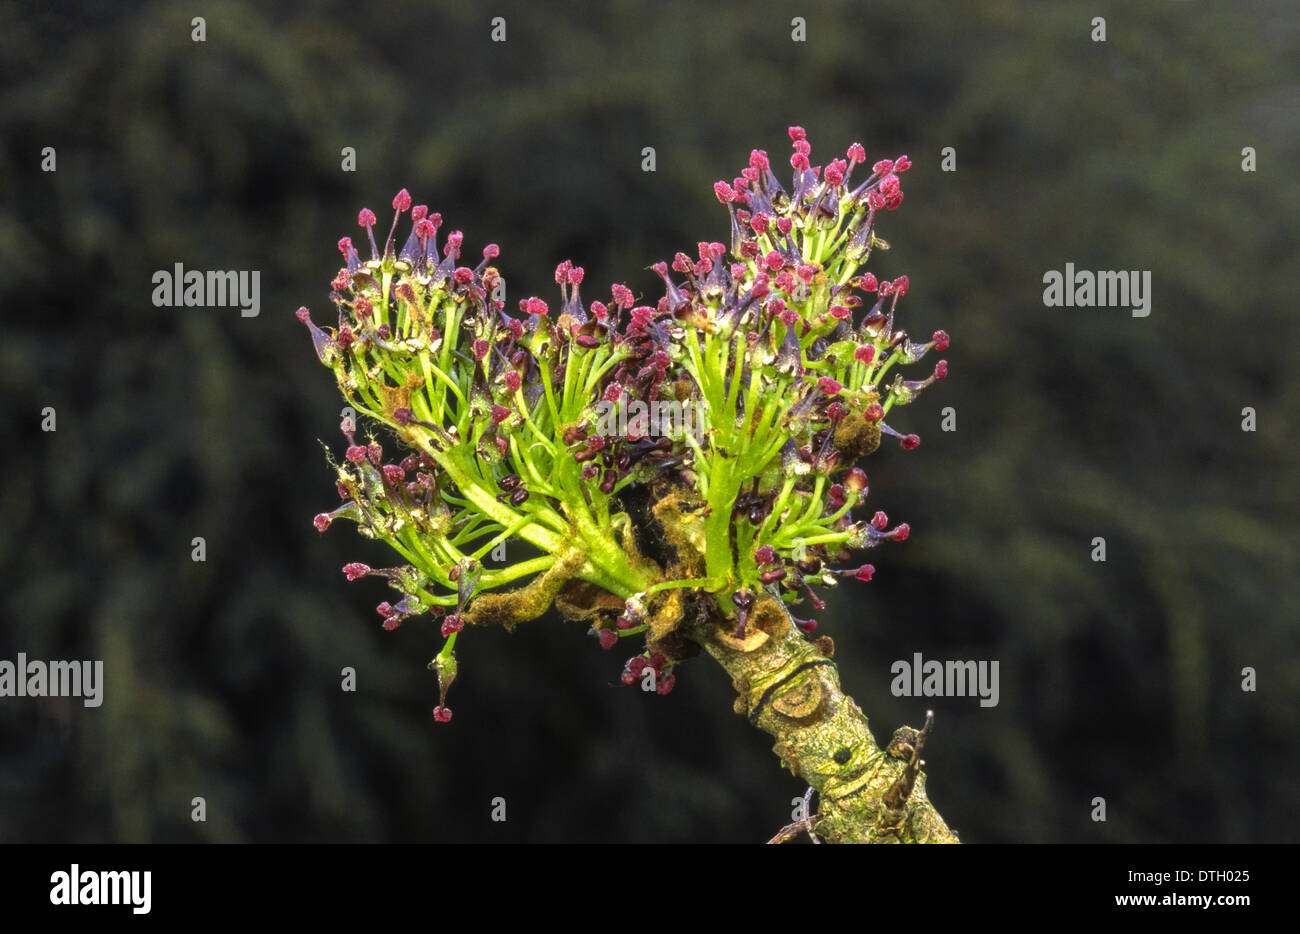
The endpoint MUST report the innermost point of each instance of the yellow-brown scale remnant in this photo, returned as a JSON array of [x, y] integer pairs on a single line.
[[528, 602], [856, 436]]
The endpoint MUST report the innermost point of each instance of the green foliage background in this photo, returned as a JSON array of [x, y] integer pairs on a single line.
[[1119, 679]]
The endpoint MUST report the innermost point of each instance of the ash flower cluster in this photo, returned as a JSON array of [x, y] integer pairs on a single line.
[[780, 341]]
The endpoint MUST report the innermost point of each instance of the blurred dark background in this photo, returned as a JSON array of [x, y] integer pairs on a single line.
[[1119, 680]]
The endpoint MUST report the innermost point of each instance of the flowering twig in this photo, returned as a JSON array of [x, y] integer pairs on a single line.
[[684, 469]]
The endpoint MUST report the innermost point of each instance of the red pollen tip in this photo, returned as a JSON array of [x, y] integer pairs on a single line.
[[402, 200], [366, 218]]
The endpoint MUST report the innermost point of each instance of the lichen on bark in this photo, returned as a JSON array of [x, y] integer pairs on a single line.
[[788, 688]]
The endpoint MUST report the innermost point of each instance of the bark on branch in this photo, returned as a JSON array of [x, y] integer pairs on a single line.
[[790, 688]]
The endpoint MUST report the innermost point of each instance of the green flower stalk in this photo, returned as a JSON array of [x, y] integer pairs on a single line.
[[764, 371]]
